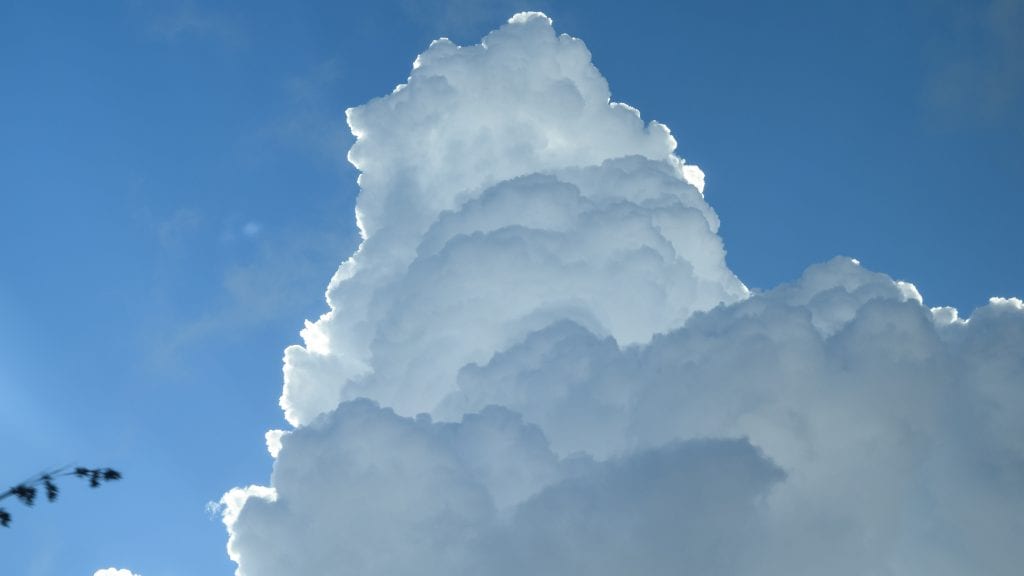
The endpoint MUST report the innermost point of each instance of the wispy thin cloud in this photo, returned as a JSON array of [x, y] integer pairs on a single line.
[[458, 17], [179, 20], [281, 275], [175, 231], [977, 67], [313, 116]]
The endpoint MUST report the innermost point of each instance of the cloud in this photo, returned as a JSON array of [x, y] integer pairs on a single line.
[[486, 495], [538, 362], [977, 69], [268, 275], [497, 165], [312, 121], [461, 16], [176, 20], [175, 232], [251, 229], [114, 572]]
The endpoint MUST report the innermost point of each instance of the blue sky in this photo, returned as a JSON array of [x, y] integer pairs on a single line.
[[174, 198]]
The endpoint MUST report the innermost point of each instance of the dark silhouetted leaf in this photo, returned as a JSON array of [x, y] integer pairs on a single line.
[[51, 489], [27, 494]]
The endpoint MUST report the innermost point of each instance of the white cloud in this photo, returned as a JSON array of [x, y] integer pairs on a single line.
[[114, 572], [561, 376], [496, 166], [251, 229]]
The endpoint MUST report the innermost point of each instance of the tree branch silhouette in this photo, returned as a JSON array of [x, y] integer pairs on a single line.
[[27, 491]]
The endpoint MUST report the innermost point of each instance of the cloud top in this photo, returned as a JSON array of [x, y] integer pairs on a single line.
[[114, 572], [503, 171]]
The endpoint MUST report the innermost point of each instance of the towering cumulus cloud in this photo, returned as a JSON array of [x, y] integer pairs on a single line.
[[539, 363]]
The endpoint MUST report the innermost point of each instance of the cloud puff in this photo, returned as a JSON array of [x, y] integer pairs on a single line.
[[365, 491], [539, 363], [114, 572], [501, 171]]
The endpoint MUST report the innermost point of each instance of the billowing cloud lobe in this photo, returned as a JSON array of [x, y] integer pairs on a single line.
[[538, 362]]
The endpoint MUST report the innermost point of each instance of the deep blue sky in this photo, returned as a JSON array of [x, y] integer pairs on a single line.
[[174, 197]]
